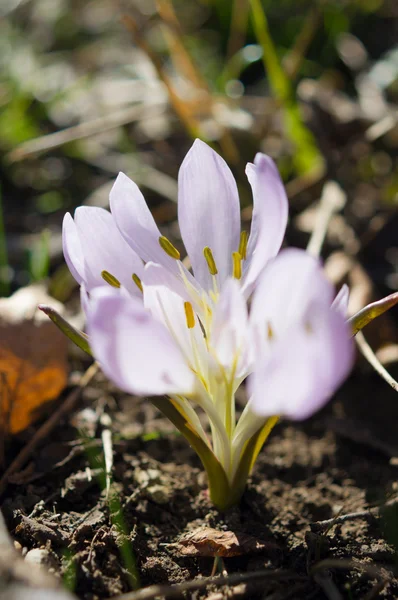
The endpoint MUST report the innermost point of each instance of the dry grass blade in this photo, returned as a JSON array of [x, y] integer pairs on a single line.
[[173, 591], [180, 108], [177, 47], [71, 134], [333, 199]]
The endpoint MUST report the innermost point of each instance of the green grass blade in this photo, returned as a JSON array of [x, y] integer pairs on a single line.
[[307, 157]]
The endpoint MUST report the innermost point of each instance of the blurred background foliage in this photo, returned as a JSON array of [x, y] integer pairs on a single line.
[[88, 88]]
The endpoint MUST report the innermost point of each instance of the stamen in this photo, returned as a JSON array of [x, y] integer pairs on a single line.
[[111, 279], [211, 263], [244, 236], [236, 265], [168, 247], [189, 315], [270, 331], [137, 281]]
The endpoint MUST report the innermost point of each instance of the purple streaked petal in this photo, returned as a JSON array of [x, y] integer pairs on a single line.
[[340, 303], [104, 249], [136, 223], [135, 350], [289, 283], [270, 212], [72, 248], [208, 211], [302, 370]]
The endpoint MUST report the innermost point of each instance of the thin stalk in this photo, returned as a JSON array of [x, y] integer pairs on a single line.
[[332, 200], [374, 361]]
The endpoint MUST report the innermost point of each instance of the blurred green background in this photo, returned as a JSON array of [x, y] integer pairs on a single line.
[[91, 87]]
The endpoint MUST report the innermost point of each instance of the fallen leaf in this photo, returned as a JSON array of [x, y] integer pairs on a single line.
[[33, 358], [206, 541]]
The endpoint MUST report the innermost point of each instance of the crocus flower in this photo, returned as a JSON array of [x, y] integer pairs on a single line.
[[157, 329], [101, 246]]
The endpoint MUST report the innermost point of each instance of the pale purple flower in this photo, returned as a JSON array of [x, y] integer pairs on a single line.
[[192, 336], [209, 217]]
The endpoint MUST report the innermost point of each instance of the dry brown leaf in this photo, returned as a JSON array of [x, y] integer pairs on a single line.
[[33, 358], [206, 541]]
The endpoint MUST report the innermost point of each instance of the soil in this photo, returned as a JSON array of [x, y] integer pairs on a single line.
[[318, 513]]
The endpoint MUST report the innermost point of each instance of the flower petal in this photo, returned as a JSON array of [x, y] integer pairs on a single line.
[[73, 252], [136, 223], [166, 304], [104, 249], [270, 212], [208, 212], [287, 286], [304, 368], [135, 351], [229, 334]]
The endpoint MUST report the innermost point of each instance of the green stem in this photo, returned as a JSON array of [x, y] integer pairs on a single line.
[[219, 487], [248, 458]]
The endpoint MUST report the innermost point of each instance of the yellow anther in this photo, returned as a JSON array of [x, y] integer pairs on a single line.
[[189, 315], [244, 236], [111, 279], [168, 247], [236, 265], [270, 331], [137, 281], [211, 263]]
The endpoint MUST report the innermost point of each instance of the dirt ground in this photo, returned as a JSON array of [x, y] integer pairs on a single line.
[[318, 512], [319, 518]]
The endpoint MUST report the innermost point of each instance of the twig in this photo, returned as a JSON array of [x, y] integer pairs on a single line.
[[360, 514], [83, 130], [348, 565], [374, 361], [172, 591], [328, 523], [67, 405], [332, 200]]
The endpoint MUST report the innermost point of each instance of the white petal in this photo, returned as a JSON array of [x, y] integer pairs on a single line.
[[208, 212], [136, 223], [230, 331], [287, 286], [270, 212], [302, 370], [135, 350], [167, 305], [73, 252], [104, 249]]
